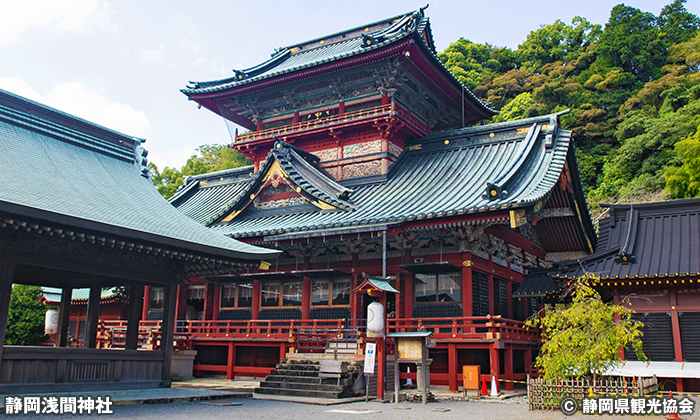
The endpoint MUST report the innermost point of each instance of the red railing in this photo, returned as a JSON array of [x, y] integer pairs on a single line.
[[377, 111], [273, 329], [466, 328]]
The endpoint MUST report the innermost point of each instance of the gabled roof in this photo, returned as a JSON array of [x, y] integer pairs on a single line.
[[645, 241], [438, 178], [235, 190], [61, 170]]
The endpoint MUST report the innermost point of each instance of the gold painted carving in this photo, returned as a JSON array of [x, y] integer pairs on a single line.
[[415, 147], [517, 218], [323, 206]]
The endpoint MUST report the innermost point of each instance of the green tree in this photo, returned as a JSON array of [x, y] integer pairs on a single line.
[[25, 323], [209, 158], [585, 337], [683, 181], [677, 24]]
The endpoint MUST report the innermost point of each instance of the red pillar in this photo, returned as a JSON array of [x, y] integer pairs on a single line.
[[453, 366], [181, 302], [409, 296], [230, 375], [493, 356], [146, 302], [676, 329], [509, 367], [467, 304], [209, 301], [306, 298], [256, 299], [217, 301], [491, 288]]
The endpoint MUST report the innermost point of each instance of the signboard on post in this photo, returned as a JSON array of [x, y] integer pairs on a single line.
[[370, 354]]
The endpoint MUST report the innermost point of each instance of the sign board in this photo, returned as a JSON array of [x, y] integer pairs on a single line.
[[370, 354], [470, 376], [410, 348]]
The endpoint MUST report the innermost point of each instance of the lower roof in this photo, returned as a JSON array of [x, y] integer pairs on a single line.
[[55, 170]]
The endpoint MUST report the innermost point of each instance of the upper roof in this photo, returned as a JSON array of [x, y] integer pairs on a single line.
[[345, 46], [485, 170], [322, 50], [646, 240], [61, 169]]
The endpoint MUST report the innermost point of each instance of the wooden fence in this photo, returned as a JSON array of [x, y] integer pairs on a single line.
[[547, 394]]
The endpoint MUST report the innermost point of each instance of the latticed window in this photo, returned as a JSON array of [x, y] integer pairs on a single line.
[[438, 288], [278, 294], [236, 295], [196, 291], [330, 292]]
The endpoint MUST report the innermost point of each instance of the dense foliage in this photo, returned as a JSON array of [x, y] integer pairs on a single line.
[[209, 158], [25, 323], [633, 88], [584, 338]]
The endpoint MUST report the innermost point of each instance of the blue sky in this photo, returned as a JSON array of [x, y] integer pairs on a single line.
[[121, 63]]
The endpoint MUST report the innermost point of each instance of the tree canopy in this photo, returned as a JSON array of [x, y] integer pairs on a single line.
[[25, 322], [633, 88], [584, 337]]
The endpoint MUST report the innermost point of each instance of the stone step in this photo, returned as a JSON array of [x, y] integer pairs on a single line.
[[295, 372], [299, 393], [302, 386], [305, 379], [323, 356]]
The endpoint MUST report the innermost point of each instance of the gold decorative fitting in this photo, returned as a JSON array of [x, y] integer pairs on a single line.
[[491, 135], [279, 145], [298, 189], [447, 142], [322, 42], [369, 42], [252, 196], [467, 263], [353, 270], [366, 29]]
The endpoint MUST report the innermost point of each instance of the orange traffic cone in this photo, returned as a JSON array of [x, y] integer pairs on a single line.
[[672, 416], [484, 388]]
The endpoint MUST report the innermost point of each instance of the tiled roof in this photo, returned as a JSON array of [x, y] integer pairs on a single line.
[[65, 170], [342, 45], [322, 50], [646, 240], [447, 174], [53, 294]]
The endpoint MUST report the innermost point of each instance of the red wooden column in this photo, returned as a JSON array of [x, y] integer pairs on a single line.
[[467, 303], [181, 305], [230, 363], [493, 356], [209, 301], [408, 288], [509, 367], [492, 310], [306, 298], [256, 299], [453, 367], [528, 361], [676, 329], [146, 302], [217, 301]]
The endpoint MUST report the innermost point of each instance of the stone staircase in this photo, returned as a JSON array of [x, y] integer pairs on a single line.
[[301, 375]]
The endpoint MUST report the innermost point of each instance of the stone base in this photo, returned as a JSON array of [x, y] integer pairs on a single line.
[[182, 365]]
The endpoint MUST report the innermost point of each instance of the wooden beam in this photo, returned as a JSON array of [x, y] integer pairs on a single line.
[[168, 331], [500, 231], [7, 273], [134, 316], [64, 317], [93, 318]]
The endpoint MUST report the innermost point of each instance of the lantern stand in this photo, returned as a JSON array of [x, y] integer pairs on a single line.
[[377, 288]]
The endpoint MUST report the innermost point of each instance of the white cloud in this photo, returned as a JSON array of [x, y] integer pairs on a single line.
[[73, 98], [154, 55], [19, 17], [193, 48]]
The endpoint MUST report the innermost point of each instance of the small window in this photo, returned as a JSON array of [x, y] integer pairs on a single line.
[[196, 291], [330, 292], [438, 288]]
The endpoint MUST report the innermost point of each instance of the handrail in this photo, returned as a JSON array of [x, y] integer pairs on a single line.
[[333, 119]]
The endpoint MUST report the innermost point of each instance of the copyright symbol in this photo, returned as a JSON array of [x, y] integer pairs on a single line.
[[568, 406]]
